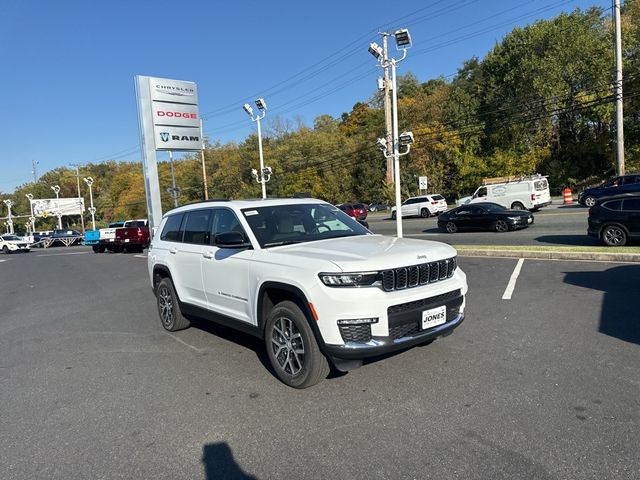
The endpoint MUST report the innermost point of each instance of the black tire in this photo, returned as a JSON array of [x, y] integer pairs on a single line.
[[101, 248], [425, 213], [5, 249], [613, 236], [95, 248], [517, 206], [393, 215], [589, 201], [451, 227], [501, 226], [292, 347], [168, 308]]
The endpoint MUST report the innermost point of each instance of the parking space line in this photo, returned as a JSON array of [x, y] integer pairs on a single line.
[[140, 256], [199, 350], [512, 281]]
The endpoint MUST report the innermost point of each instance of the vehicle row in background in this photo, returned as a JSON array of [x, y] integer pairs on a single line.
[[616, 219], [355, 210], [518, 193], [129, 236], [629, 183], [484, 216], [10, 243], [54, 238], [423, 206]]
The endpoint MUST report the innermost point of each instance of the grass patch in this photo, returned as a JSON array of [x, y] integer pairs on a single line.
[[550, 248]]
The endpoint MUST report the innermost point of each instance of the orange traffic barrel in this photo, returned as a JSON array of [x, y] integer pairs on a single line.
[[566, 195]]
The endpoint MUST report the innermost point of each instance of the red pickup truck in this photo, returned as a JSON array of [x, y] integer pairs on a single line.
[[133, 236]]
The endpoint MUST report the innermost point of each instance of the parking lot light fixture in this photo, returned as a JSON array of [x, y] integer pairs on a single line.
[[9, 223], [56, 190], [403, 42], [375, 50], [406, 139], [403, 38], [92, 210], [31, 218], [262, 107], [261, 104]]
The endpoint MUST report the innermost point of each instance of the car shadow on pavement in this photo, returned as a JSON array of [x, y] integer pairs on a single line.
[[570, 240], [219, 463], [232, 335], [619, 315]]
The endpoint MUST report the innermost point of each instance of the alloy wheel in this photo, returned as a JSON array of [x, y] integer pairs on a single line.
[[287, 345], [614, 236], [501, 226], [451, 227], [165, 302]]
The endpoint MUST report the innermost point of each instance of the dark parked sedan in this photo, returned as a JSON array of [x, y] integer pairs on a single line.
[[484, 216], [616, 219]]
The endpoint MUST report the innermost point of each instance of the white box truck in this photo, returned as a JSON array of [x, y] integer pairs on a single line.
[[531, 192]]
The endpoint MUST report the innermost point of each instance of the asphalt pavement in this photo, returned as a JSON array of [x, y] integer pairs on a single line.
[[541, 381]]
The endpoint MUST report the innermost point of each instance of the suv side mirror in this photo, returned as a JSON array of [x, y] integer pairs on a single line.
[[231, 240]]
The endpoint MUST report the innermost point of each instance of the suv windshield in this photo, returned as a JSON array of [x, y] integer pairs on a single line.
[[10, 237], [298, 223]]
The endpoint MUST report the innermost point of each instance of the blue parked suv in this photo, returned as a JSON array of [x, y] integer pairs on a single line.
[[624, 184]]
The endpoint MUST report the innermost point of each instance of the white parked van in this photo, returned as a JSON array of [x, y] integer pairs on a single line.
[[519, 193]]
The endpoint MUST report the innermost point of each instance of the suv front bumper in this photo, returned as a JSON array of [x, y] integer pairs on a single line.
[[384, 345]]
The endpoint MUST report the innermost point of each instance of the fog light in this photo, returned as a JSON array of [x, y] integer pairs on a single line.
[[358, 321]]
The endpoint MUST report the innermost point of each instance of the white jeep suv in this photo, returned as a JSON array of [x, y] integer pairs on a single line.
[[423, 206], [309, 280]]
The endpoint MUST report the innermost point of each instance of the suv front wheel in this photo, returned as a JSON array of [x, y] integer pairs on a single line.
[[292, 347]]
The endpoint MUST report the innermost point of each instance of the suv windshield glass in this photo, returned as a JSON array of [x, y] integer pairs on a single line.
[[10, 237], [298, 223]]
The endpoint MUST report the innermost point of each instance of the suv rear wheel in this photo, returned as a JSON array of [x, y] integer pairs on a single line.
[[613, 236], [168, 308], [589, 201], [292, 347], [425, 213]]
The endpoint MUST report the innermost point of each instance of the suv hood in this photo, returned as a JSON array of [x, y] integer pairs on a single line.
[[370, 252]]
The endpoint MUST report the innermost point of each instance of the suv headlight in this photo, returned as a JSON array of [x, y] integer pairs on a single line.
[[354, 279]]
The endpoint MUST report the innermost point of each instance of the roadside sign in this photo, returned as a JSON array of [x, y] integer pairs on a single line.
[[422, 183]]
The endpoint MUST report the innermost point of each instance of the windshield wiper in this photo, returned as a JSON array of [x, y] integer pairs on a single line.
[[283, 242]]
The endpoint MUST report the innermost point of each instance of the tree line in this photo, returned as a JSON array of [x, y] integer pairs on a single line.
[[540, 101]]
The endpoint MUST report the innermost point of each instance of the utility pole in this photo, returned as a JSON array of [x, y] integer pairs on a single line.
[[204, 170], [77, 167], [387, 107], [618, 90], [33, 170]]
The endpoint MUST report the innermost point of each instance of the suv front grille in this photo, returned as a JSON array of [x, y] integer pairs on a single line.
[[408, 277]]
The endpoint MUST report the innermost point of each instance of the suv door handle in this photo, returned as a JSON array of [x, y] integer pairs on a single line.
[[173, 250], [207, 254]]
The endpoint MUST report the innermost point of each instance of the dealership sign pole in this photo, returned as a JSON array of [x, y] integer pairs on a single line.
[[169, 121]]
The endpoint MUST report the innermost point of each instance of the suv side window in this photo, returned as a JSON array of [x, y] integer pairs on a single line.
[[631, 205], [171, 231], [224, 220], [615, 205], [196, 227]]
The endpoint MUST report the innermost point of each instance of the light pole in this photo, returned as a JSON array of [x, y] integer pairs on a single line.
[[32, 218], [403, 42], [9, 223], [56, 190], [265, 172], [92, 210]]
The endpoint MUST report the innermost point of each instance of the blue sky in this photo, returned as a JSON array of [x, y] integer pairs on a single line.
[[69, 66]]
